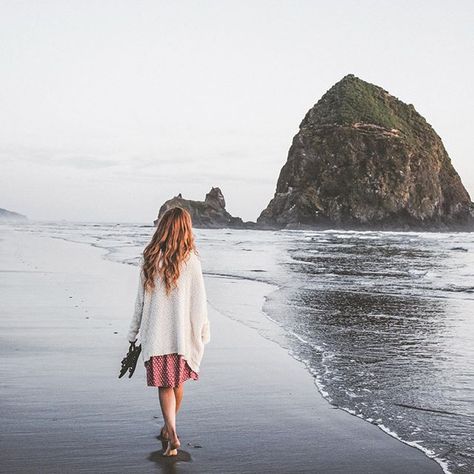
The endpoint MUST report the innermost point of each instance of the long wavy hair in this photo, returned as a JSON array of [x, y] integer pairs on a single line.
[[170, 245]]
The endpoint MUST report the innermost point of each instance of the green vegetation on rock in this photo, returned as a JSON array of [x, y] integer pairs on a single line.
[[353, 100]]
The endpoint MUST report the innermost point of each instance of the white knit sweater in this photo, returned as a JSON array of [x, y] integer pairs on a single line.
[[174, 323]]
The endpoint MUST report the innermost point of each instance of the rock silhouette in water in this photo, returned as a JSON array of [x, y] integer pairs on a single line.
[[209, 213], [363, 158], [10, 216]]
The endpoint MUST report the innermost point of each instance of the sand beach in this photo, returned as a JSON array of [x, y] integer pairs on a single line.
[[255, 409]]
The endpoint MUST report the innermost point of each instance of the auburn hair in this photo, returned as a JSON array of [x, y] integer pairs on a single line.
[[170, 245]]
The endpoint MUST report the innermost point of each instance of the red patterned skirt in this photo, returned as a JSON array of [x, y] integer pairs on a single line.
[[168, 370]]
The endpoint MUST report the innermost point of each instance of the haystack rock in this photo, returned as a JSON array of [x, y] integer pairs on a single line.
[[364, 159], [10, 216], [210, 213]]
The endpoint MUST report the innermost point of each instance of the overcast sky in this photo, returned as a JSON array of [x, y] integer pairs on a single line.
[[108, 108]]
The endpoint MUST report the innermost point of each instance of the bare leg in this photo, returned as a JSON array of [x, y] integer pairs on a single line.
[[178, 393], [168, 408]]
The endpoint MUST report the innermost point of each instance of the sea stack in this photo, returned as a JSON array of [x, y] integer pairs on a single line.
[[210, 213], [364, 159]]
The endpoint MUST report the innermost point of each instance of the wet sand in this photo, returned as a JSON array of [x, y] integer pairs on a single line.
[[64, 315]]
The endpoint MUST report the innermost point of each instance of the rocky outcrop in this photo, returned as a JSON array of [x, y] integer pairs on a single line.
[[364, 159], [10, 216], [210, 213]]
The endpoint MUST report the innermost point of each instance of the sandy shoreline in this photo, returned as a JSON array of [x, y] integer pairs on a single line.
[[64, 314]]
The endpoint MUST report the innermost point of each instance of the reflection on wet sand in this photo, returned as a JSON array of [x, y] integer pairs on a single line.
[[168, 464]]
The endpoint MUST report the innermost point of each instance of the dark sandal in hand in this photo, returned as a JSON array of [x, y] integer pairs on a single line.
[[129, 362]]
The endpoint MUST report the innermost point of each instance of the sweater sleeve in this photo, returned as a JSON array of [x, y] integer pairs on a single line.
[[199, 302], [138, 311], [206, 333]]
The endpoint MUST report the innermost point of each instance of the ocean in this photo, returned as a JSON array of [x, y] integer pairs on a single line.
[[384, 321]]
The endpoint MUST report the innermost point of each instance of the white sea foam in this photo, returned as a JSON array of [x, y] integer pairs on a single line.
[[298, 337], [417, 444]]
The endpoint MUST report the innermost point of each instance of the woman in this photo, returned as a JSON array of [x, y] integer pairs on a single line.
[[171, 315]]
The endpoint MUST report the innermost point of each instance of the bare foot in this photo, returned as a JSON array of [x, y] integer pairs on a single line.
[[175, 443], [164, 434], [172, 449]]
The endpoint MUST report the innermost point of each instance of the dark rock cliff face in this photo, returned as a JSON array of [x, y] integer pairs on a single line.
[[10, 216], [364, 159], [209, 213]]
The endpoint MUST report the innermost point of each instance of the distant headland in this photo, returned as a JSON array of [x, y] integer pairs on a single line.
[[10, 216]]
